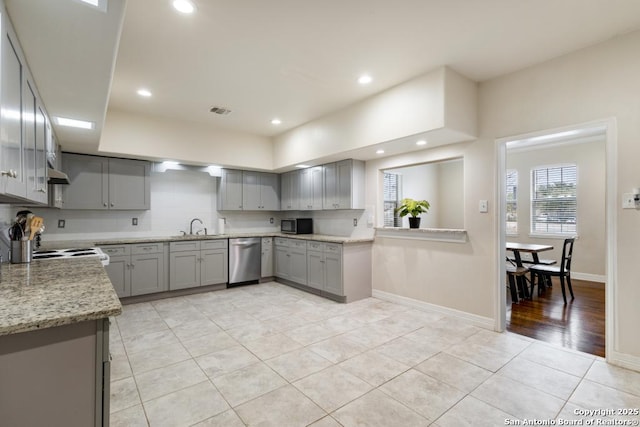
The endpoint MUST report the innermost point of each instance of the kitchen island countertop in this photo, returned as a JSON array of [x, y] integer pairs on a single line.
[[54, 292]]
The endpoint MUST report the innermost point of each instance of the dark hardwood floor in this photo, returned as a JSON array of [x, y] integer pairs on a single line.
[[579, 325]]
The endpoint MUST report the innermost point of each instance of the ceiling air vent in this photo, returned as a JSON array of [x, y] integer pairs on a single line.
[[220, 110]]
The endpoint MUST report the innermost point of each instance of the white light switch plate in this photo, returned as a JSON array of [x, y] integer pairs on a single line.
[[627, 201], [484, 206]]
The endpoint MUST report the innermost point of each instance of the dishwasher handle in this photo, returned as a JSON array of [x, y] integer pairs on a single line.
[[244, 244]]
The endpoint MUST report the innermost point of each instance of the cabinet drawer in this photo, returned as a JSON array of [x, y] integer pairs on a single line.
[[315, 246], [299, 244], [281, 241], [147, 248], [214, 244], [334, 248], [184, 246], [119, 250]]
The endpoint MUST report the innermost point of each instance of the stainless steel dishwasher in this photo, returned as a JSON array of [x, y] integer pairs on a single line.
[[245, 255]]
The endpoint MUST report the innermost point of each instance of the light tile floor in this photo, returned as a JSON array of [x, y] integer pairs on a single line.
[[271, 355]]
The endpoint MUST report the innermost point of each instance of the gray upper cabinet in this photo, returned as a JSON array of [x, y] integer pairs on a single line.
[[12, 179], [260, 191], [104, 183], [23, 127], [129, 184], [230, 190], [311, 182], [290, 191], [344, 185]]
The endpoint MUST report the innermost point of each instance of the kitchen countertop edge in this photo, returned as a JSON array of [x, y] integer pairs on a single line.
[[51, 293]]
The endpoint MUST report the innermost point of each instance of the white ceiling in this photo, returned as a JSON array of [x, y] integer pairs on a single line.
[[296, 60]]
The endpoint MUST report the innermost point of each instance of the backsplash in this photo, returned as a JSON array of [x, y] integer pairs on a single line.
[[176, 198]]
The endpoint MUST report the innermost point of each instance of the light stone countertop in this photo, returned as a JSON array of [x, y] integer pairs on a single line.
[[54, 292], [122, 241]]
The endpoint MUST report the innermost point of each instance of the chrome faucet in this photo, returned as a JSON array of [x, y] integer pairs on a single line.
[[191, 225]]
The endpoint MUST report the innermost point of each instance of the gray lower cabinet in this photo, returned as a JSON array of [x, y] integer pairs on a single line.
[[137, 269], [57, 376], [291, 260], [324, 267], [266, 264], [198, 263]]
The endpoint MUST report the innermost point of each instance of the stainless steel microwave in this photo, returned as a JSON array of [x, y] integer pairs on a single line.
[[297, 226]]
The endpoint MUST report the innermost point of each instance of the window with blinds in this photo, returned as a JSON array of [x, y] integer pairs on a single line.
[[512, 202], [554, 200], [391, 190]]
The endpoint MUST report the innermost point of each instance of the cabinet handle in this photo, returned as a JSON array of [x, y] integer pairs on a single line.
[[104, 204], [10, 173], [112, 205], [41, 190]]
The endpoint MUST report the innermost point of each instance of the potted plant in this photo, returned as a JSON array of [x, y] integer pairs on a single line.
[[413, 208]]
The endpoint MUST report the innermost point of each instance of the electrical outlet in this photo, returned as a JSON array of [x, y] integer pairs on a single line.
[[355, 222], [483, 206], [134, 221], [61, 223], [270, 220]]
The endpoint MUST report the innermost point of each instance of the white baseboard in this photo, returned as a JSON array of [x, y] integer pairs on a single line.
[[480, 321], [588, 277], [624, 360]]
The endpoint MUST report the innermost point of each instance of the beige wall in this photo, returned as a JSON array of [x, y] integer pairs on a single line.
[[149, 137], [590, 248], [596, 83], [591, 84]]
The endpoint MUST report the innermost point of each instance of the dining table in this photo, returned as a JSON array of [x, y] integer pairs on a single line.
[[519, 248]]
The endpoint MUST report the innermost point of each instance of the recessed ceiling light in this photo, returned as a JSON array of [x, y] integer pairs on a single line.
[[144, 93], [421, 142], [184, 6], [380, 152], [276, 121], [365, 79], [81, 124], [302, 166]]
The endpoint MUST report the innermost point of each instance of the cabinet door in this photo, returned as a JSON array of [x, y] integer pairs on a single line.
[[11, 116], [147, 274], [214, 266], [266, 264], [298, 265], [89, 187], [344, 184], [282, 262], [311, 188], [333, 273], [29, 137], [129, 184], [40, 191], [270, 191], [330, 192], [184, 270], [251, 191], [285, 191], [230, 190], [315, 270], [118, 271]]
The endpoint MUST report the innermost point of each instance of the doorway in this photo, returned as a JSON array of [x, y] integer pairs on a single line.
[[586, 151]]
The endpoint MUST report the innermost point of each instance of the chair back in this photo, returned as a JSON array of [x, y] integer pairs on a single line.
[[567, 252]]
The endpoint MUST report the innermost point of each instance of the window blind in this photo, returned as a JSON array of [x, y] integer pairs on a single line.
[[512, 201], [391, 196], [554, 200]]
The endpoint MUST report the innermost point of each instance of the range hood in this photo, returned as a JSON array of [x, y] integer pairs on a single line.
[[57, 177]]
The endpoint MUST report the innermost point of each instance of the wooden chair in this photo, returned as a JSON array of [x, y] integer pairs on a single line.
[[563, 271], [517, 275]]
